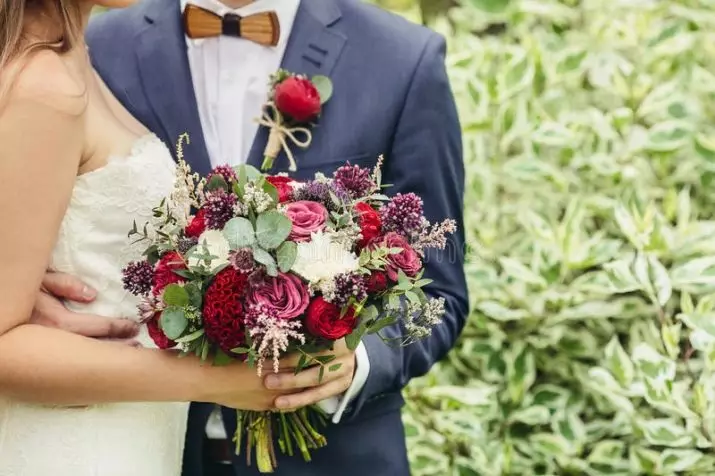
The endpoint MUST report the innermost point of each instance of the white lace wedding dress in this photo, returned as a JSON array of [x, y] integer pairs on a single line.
[[133, 439]]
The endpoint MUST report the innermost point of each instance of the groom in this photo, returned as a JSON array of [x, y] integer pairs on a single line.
[[391, 96]]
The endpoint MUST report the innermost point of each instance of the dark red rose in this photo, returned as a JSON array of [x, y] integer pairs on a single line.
[[377, 282], [164, 274], [298, 98], [370, 223], [223, 311], [197, 225], [157, 335], [407, 260], [282, 184], [323, 320]]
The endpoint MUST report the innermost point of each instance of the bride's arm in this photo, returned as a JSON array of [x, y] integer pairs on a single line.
[[41, 145]]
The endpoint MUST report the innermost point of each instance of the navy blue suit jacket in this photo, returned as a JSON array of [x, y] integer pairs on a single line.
[[392, 97]]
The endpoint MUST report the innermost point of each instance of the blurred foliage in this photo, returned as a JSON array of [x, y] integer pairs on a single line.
[[589, 132]]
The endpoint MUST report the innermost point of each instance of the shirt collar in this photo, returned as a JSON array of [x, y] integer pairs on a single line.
[[285, 9]]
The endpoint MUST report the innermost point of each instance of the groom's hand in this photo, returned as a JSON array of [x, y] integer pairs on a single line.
[[311, 389], [50, 312]]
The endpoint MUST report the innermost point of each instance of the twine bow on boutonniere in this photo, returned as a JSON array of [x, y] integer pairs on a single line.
[[294, 103]]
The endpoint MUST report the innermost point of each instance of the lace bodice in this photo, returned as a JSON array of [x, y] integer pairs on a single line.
[[137, 439], [93, 242]]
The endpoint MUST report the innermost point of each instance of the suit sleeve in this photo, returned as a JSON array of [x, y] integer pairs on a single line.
[[426, 158]]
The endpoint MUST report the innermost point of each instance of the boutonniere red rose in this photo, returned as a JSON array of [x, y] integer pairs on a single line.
[[294, 103]]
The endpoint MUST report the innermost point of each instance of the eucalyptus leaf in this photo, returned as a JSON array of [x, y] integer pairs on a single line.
[[265, 258], [173, 322], [239, 233], [286, 255], [272, 229]]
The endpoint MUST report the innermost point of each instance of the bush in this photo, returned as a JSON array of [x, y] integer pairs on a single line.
[[589, 131]]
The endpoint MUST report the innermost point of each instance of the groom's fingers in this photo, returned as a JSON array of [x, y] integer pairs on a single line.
[[50, 312], [313, 395], [312, 377]]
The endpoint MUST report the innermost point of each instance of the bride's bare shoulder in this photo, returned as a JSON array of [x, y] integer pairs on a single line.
[[45, 79]]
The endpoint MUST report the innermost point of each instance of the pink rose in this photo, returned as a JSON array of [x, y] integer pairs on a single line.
[[307, 217], [285, 294], [407, 260]]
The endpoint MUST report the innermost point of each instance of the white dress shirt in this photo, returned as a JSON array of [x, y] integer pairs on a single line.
[[231, 81]]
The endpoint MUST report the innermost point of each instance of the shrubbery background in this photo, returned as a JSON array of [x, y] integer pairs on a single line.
[[589, 131]]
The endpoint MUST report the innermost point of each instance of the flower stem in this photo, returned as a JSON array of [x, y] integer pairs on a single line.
[[267, 163], [264, 454]]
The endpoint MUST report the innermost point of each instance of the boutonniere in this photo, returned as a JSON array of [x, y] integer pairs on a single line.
[[294, 103]]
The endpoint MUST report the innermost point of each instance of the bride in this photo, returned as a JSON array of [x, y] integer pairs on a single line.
[[76, 170]]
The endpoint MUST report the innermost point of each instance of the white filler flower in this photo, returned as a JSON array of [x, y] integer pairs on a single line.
[[322, 259]]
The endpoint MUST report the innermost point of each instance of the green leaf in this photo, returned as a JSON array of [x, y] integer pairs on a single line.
[[271, 190], [334, 367], [221, 359], [239, 233], [619, 363], [265, 258], [324, 86], [272, 228], [241, 350], [665, 432], [217, 182], [173, 322], [286, 255], [247, 173], [353, 339], [175, 295], [191, 337]]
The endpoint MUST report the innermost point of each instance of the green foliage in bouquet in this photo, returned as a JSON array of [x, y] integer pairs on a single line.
[[589, 131]]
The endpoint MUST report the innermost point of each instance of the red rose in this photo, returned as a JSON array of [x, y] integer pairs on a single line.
[[157, 335], [377, 282], [298, 98], [282, 184], [223, 312], [307, 217], [196, 226], [407, 260], [323, 320], [164, 274], [370, 223]]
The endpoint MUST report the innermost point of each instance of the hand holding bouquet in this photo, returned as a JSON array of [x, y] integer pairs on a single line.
[[269, 267]]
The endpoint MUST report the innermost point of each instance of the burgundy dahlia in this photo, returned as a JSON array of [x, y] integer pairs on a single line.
[[355, 180], [138, 277], [403, 214], [349, 285], [219, 208]]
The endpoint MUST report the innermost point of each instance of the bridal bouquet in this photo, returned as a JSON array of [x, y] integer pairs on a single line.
[[242, 265]]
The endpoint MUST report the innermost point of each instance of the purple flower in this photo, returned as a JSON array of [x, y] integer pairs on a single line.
[[355, 180], [349, 285], [316, 191], [185, 244], [224, 171], [137, 278], [219, 208], [242, 260], [403, 214]]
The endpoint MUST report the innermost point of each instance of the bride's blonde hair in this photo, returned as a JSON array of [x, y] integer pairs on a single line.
[[63, 19]]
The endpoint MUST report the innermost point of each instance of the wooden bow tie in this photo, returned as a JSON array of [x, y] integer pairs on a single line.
[[262, 28]]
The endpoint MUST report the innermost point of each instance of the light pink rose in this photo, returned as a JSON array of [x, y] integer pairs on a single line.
[[407, 260], [307, 217], [285, 294]]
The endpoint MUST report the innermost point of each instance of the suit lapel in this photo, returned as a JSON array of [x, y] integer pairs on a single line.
[[313, 49], [165, 74]]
